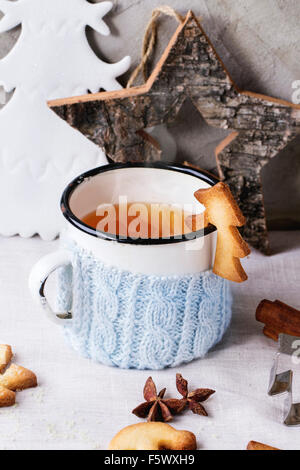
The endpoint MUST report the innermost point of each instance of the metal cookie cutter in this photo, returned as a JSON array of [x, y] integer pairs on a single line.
[[283, 382]]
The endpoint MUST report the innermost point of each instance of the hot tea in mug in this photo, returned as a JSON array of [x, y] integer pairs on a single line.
[[131, 292], [140, 219]]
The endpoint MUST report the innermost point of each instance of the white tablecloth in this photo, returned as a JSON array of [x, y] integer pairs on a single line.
[[81, 405]]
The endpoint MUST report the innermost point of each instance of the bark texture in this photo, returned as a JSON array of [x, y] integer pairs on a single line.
[[190, 68]]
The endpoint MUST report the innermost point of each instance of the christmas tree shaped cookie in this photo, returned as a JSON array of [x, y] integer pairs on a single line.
[[223, 212]]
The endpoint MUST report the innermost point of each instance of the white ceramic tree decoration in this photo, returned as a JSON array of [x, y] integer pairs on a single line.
[[39, 152]]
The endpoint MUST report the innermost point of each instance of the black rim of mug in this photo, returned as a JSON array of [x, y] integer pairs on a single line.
[[68, 214]]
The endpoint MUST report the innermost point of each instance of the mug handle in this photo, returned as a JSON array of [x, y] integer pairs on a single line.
[[38, 278]]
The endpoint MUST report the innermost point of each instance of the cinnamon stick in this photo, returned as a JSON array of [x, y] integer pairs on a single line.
[[253, 445], [278, 318]]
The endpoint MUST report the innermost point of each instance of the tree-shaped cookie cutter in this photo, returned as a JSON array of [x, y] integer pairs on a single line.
[[283, 382]]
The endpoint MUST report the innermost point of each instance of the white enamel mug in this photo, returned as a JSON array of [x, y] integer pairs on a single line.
[[136, 303]]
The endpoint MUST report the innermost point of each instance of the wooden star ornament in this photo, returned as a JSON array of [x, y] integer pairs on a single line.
[[190, 68]]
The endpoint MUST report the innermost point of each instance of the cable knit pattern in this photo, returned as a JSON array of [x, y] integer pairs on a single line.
[[138, 321]]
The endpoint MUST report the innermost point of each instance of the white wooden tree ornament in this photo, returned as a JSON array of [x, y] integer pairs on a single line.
[[40, 153]]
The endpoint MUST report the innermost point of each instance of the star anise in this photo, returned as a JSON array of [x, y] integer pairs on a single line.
[[193, 399], [156, 408]]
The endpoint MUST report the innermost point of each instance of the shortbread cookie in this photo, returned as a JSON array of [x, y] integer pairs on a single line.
[[5, 356], [7, 397], [153, 436], [223, 212], [18, 378], [253, 445]]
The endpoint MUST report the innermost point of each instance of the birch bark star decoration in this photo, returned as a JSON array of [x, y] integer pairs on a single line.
[[40, 153], [190, 68]]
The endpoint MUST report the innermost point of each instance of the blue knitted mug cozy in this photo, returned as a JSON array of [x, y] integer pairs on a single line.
[[138, 321]]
